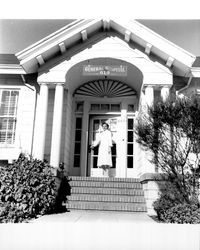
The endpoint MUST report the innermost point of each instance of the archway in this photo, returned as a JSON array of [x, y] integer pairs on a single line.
[[100, 97]]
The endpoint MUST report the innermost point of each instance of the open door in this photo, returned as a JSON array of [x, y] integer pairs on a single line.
[[95, 129]]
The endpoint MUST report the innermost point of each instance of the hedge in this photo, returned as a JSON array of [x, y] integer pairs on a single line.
[[27, 190]]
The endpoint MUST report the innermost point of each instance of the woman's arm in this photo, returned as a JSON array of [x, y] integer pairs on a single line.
[[96, 142]]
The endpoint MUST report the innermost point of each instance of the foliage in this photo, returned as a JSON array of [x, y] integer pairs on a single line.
[[27, 190], [170, 130], [182, 213], [169, 197]]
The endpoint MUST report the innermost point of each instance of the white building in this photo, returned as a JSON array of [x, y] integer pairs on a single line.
[[56, 93]]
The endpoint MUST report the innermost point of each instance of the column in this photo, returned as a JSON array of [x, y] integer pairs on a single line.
[[149, 95], [84, 138], [57, 126], [164, 92], [68, 132], [121, 161], [145, 156], [40, 130]]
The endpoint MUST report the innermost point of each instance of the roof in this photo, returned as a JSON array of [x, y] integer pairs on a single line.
[[17, 34], [8, 59], [196, 62], [80, 31]]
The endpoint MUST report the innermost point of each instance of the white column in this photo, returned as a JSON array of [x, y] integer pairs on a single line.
[[145, 156], [164, 92], [40, 131], [68, 131], [57, 126], [121, 160], [84, 139], [149, 95]]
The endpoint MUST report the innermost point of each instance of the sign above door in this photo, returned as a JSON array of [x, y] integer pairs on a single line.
[[107, 70]]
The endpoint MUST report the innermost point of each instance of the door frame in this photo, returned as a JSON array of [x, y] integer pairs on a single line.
[[92, 117], [86, 113]]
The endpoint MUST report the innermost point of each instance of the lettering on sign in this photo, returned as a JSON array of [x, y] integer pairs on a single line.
[[106, 70]]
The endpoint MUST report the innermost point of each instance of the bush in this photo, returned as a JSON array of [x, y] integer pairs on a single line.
[[170, 131], [169, 197], [171, 207], [182, 213], [27, 190]]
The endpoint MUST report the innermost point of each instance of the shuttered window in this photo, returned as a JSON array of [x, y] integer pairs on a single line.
[[8, 115]]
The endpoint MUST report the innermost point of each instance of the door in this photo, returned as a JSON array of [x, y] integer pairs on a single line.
[[95, 129]]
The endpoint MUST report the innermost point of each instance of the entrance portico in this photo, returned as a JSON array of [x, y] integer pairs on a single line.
[[104, 76], [67, 127]]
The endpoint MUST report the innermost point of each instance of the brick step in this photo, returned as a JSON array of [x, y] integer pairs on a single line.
[[106, 206], [107, 191], [104, 179], [106, 198], [105, 184]]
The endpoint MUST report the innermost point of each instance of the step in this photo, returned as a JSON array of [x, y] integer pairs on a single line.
[[105, 184], [107, 206], [106, 191], [84, 178], [106, 198]]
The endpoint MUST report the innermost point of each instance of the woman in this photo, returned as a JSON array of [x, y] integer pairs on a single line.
[[104, 140]]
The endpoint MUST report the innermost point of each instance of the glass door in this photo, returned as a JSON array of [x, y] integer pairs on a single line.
[[95, 130]]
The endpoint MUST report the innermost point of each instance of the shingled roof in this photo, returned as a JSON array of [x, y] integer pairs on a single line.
[[8, 59], [196, 62]]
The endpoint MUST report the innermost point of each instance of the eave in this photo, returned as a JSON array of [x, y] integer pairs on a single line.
[[11, 69], [79, 31]]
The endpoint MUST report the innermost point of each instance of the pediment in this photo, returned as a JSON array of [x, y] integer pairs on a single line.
[[81, 32]]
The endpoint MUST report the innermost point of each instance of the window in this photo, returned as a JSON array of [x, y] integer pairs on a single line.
[[130, 143], [77, 146], [8, 115], [105, 107]]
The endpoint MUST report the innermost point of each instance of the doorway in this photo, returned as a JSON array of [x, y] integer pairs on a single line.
[[95, 129]]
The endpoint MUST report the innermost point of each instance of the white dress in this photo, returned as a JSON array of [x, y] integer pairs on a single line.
[[104, 140]]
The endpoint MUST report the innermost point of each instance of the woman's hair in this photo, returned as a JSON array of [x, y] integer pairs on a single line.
[[104, 123]]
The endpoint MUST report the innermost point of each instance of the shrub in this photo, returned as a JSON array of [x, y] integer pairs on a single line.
[[169, 197], [27, 190], [170, 131], [182, 213]]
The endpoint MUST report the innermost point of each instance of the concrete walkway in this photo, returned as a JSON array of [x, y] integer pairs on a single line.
[[98, 230], [95, 217]]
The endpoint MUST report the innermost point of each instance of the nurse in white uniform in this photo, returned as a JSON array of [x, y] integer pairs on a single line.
[[104, 140]]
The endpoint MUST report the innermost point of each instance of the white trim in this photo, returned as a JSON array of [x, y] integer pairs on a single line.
[[170, 61], [84, 35], [148, 48], [40, 60], [127, 36], [138, 34], [62, 47], [54, 39], [11, 69], [195, 72], [47, 38], [106, 24]]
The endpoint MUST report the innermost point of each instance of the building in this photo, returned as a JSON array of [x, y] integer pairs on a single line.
[[55, 93]]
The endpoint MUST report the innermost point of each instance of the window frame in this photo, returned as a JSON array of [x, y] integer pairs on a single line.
[[5, 143]]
